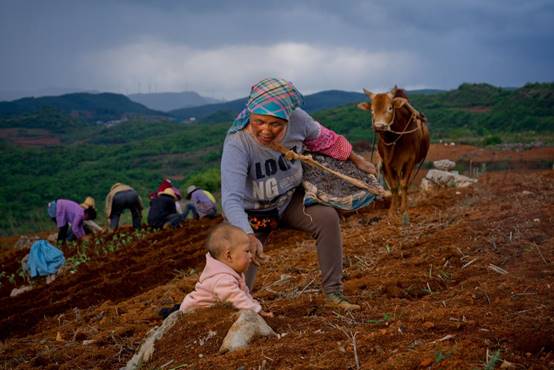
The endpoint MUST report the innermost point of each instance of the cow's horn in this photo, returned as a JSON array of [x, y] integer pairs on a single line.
[[368, 93]]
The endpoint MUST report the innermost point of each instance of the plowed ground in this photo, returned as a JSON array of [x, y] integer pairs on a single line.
[[472, 274]]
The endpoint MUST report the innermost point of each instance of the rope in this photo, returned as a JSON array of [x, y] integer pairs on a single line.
[[289, 155]]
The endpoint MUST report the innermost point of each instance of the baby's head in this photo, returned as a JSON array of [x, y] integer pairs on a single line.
[[231, 246]]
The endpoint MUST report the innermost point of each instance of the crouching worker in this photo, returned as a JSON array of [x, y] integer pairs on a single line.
[[223, 279], [66, 212], [202, 203], [120, 198], [163, 211]]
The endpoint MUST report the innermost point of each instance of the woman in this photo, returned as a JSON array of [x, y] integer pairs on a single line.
[[260, 188], [202, 203], [120, 198], [163, 211], [66, 213]]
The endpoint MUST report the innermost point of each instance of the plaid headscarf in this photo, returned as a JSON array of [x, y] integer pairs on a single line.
[[273, 97]]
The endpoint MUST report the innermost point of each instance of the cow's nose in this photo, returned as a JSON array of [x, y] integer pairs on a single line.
[[380, 125]]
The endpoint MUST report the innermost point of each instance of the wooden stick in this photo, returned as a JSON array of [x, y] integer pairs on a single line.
[[289, 154]]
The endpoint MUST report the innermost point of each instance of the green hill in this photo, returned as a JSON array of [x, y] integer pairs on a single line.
[[85, 106]]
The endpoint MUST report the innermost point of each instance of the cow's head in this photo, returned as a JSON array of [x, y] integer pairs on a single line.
[[382, 107]]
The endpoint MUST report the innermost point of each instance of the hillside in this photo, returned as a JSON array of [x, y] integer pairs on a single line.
[[171, 100], [85, 106], [466, 285]]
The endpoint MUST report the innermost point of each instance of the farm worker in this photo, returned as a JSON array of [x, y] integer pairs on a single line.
[[162, 212], [65, 212], [260, 188], [202, 203], [120, 198], [166, 183]]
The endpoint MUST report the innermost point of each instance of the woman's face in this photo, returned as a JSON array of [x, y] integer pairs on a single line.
[[267, 129]]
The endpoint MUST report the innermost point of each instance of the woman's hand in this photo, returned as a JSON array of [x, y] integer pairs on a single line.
[[363, 164], [257, 250]]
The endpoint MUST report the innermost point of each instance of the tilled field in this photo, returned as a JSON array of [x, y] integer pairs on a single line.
[[469, 282]]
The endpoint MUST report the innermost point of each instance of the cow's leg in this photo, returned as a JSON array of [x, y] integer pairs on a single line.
[[404, 183], [392, 179]]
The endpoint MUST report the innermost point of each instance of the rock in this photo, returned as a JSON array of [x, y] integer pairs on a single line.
[[50, 278], [17, 291], [438, 178], [444, 164], [146, 350], [248, 326]]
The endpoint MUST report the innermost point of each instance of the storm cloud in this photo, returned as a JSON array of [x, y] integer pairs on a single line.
[[220, 48]]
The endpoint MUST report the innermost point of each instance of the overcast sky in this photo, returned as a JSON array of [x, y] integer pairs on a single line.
[[220, 48]]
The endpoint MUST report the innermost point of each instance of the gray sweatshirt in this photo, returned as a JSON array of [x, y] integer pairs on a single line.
[[254, 177]]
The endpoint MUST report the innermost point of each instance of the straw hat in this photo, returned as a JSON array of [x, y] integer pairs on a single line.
[[190, 189], [89, 202], [169, 191]]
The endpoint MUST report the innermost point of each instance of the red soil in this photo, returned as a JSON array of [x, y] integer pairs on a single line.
[[29, 137], [430, 297]]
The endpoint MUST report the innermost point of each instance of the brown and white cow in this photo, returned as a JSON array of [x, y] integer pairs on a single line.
[[403, 142]]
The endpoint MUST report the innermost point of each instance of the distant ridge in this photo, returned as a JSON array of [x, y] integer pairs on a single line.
[[167, 101], [10, 94], [312, 103], [86, 106]]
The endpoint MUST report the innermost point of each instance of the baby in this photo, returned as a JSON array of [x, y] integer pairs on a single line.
[[223, 279]]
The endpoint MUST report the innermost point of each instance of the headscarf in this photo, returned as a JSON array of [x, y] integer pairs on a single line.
[[273, 97]]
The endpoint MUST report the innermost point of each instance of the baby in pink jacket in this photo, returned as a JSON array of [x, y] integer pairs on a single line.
[[223, 279]]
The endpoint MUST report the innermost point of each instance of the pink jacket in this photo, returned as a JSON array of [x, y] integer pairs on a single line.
[[219, 283]]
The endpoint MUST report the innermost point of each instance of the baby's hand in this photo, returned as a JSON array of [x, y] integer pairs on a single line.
[[266, 314]]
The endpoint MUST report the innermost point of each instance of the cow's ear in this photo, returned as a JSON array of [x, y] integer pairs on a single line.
[[364, 106], [399, 102]]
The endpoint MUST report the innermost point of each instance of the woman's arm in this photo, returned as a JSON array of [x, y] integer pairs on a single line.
[[77, 227], [234, 173]]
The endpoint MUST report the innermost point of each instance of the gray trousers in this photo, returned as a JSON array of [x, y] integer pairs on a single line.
[[323, 224]]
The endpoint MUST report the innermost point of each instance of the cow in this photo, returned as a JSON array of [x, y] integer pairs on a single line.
[[403, 142]]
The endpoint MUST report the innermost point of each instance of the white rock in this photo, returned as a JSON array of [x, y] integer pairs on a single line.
[[444, 164], [146, 349], [247, 327], [438, 178], [17, 291]]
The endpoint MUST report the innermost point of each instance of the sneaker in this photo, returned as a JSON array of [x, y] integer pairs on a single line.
[[338, 300]]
